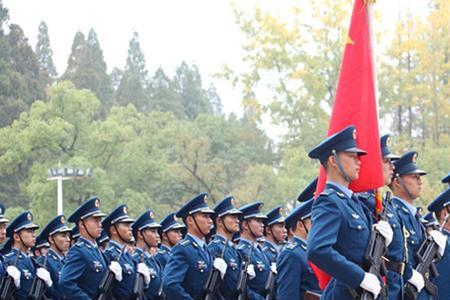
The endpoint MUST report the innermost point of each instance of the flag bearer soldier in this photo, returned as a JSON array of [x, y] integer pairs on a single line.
[[189, 264], [341, 225], [21, 232], [295, 277], [84, 266], [170, 234], [57, 234], [252, 228], [275, 233], [145, 232], [440, 206], [406, 186], [118, 227], [226, 219]]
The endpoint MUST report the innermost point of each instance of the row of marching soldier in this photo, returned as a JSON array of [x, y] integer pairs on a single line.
[[226, 252]]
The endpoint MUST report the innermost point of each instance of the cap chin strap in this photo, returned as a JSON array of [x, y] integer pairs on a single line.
[[145, 241], [120, 236], [23, 243], [304, 226], [251, 231], [198, 227], [225, 226], [274, 238], [341, 170], [405, 189], [171, 244], [56, 246], [87, 231]]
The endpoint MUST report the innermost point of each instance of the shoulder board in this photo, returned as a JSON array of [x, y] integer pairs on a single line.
[[10, 254], [185, 242], [242, 246], [110, 249], [364, 195], [327, 192], [304, 247], [291, 245], [218, 241], [80, 244], [162, 251]]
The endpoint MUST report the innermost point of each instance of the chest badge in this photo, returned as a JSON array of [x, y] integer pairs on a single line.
[[97, 265], [201, 265]]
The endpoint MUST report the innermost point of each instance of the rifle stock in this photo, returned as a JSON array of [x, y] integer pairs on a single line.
[[214, 280], [243, 276], [7, 286]]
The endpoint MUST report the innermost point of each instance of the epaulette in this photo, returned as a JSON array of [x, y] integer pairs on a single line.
[[81, 244], [291, 245], [162, 251], [185, 242], [327, 192], [242, 246], [10, 254], [364, 195], [218, 241]]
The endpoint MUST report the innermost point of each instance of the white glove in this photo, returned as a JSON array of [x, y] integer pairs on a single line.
[[15, 274], [385, 230], [115, 267], [273, 268], [220, 265], [45, 276], [440, 239], [371, 284], [417, 280], [144, 270], [251, 272]]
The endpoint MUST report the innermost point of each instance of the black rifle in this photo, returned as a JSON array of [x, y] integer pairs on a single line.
[[38, 287], [214, 280], [107, 283], [7, 286], [375, 252], [138, 288], [243, 276], [427, 255]]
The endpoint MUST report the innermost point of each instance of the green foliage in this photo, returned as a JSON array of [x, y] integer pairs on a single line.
[[45, 55]]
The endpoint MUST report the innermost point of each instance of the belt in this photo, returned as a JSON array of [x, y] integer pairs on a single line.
[[398, 267]]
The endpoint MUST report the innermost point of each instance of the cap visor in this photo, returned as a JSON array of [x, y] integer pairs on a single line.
[[356, 150], [206, 211], [4, 220], [256, 216], [391, 156]]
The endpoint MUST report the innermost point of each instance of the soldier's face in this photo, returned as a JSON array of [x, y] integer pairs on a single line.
[[2, 232], [61, 240], [173, 237], [28, 237], [279, 232], [124, 231], [388, 170], [202, 221], [350, 163], [413, 183], [93, 225], [231, 222], [150, 236], [257, 227]]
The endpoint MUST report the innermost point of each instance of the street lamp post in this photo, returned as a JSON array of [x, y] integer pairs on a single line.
[[60, 174]]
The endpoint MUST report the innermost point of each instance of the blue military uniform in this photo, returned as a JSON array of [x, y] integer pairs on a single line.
[[409, 216], [167, 224], [221, 247], [443, 266], [341, 225], [74, 234], [146, 221], [396, 253], [117, 252], [84, 266], [253, 251], [270, 249], [3, 220], [53, 261], [189, 264], [295, 276], [21, 260], [104, 237]]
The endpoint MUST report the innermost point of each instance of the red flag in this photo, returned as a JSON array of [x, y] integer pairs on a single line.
[[356, 104]]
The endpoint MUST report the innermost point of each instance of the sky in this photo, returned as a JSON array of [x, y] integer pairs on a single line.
[[170, 31]]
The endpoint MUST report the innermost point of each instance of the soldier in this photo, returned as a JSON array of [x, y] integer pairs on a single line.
[[440, 206], [118, 227], [252, 228], [341, 225], [396, 253], [41, 247], [275, 233], [103, 241], [170, 234], [56, 233], [21, 232], [74, 235], [84, 266], [189, 264], [6, 270], [226, 219], [295, 277], [145, 231], [406, 186]]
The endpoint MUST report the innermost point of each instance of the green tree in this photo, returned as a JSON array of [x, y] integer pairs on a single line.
[[44, 55], [163, 95]]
